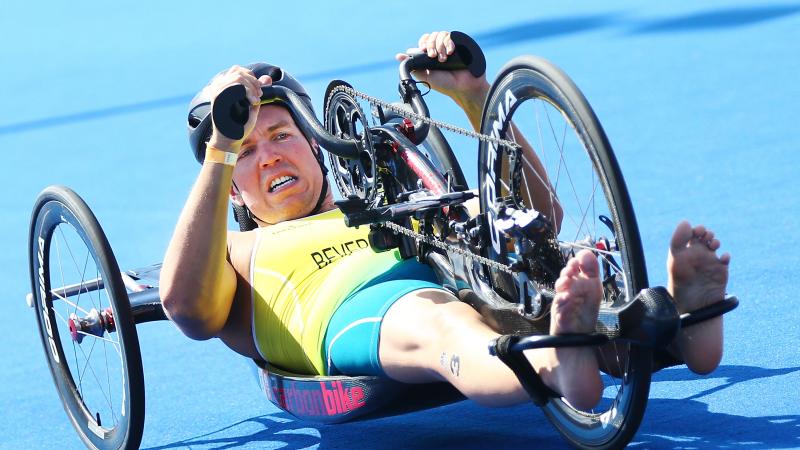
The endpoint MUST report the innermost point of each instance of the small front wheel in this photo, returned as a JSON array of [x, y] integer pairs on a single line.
[[85, 322], [555, 159]]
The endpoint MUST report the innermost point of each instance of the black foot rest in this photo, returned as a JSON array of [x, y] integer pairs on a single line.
[[650, 320], [326, 399]]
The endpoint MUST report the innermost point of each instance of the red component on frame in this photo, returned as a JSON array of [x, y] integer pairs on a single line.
[[407, 128], [429, 179]]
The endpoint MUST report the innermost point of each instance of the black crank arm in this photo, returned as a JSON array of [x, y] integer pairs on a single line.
[[356, 212]]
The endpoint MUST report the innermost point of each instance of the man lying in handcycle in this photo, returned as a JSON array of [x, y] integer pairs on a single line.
[[307, 294]]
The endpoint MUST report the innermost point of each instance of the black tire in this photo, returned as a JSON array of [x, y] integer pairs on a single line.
[[530, 81], [60, 223]]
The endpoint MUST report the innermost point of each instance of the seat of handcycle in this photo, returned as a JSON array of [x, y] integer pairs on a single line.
[[340, 398]]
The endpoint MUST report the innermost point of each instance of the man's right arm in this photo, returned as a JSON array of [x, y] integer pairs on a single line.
[[198, 282]]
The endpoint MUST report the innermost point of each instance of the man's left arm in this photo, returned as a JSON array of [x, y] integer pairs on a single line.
[[470, 93]]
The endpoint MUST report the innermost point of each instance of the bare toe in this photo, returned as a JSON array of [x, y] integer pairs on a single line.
[[725, 258], [699, 231], [587, 261], [681, 236]]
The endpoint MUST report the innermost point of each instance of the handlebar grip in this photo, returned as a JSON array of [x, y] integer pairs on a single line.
[[230, 111], [232, 108], [467, 55]]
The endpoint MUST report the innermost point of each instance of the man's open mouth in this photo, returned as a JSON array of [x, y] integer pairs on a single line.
[[281, 182]]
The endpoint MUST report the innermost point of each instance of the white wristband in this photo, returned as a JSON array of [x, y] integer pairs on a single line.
[[218, 156]]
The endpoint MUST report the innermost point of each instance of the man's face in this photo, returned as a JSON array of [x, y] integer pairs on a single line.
[[277, 173]]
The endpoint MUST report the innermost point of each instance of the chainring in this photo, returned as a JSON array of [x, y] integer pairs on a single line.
[[345, 119]]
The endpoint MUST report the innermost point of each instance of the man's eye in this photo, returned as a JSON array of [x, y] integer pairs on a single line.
[[281, 136], [244, 152]]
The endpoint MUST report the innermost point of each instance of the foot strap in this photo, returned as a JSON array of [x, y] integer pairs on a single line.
[[709, 312], [519, 364]]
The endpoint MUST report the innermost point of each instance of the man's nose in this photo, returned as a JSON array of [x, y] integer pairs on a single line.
[[267, 154]]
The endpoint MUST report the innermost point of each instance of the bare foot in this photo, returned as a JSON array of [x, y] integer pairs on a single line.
[[697, 278], [575, 372]]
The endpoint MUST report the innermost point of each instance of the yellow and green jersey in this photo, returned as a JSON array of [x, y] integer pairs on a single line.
[[301, 271]]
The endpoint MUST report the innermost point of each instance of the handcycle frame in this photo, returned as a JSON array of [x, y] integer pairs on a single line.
[[648, 321]]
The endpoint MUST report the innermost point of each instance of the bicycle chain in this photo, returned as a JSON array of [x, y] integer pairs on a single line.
[[431, 240], [404, 112], [420, 237]]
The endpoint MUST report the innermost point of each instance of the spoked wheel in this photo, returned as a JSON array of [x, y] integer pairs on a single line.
[[568, 173], [345, 119], [85, 322]]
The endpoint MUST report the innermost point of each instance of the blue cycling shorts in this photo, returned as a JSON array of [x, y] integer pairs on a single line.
[[353, 335]]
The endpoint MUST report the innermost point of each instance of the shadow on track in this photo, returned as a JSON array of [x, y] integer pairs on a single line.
[[456, 426], [714, 20], [271, 431], [687, 423], [669, 423]]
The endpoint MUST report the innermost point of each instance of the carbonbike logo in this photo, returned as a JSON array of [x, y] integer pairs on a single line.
[[42, 296], [489, 185]]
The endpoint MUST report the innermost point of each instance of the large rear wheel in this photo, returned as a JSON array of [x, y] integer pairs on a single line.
[[85, 322], [562, 165]]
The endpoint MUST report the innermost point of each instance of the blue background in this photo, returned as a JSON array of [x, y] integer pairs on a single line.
[[699, 100]]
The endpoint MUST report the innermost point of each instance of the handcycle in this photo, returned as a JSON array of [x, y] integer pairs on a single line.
[[398, 175]]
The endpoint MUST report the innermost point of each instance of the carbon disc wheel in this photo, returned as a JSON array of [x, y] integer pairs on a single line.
[[85, 322]]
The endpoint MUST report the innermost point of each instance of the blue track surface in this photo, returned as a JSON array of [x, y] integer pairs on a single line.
[[700, 102]]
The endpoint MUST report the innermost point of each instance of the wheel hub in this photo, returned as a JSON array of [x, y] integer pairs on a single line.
[[96, 323]]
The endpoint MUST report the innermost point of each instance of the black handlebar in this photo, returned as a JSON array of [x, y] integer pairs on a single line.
[[231, 108], [467, 55]]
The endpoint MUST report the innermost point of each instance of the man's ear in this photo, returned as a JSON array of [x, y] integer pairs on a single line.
[[315, 147], [236, 198]]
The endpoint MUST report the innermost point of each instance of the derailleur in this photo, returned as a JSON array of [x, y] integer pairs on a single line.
[[535, 244]]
